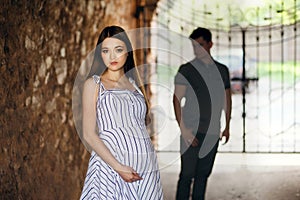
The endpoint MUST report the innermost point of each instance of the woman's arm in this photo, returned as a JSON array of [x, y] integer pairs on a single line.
[[91, 137]]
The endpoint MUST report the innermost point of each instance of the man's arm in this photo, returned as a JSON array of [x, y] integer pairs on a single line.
[[226, 132], [186, 133]]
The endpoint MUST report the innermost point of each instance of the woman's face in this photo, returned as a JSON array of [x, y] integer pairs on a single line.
[[114, 53]]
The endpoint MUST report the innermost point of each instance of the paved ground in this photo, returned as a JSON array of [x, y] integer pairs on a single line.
[[242, 176]]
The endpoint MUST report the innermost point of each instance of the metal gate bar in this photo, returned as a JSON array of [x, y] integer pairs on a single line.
[[273, 43]]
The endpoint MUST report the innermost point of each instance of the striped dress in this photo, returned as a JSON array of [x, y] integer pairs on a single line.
[[121, 125]]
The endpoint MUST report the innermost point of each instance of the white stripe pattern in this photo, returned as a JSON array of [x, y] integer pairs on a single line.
[[121, 124]]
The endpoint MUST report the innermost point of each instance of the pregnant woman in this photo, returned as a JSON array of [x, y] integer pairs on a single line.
[[123, 163]]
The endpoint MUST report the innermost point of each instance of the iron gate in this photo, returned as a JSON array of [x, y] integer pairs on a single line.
[[260, 47]]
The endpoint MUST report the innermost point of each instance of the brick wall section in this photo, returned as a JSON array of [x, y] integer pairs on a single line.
[[42, 44]]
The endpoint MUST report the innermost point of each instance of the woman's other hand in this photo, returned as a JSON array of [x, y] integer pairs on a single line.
[[128, 174]]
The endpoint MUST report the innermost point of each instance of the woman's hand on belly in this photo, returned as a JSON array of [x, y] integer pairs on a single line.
[[128, 174]]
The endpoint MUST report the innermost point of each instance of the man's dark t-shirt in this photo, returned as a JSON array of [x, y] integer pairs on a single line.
[[203, 82]]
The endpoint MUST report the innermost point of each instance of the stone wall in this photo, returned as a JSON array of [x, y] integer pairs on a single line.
[[42, 46]]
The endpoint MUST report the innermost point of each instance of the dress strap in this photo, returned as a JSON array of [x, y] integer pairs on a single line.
[[135, 86], [100, 88], [96, 79]]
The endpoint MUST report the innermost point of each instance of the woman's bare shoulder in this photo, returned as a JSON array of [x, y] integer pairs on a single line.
[[89, 86]]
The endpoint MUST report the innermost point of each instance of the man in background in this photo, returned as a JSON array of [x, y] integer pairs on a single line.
[[198, 114]]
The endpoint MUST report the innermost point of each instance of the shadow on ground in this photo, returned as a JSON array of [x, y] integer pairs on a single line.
[[240, 177]]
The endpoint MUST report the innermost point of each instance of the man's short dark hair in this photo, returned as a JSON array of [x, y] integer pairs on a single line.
[[201, 32]]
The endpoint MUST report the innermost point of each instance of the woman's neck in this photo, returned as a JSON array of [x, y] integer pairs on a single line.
[[116, 80], [114, 76]]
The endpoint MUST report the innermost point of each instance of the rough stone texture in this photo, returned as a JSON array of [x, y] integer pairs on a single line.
[[42, 46]]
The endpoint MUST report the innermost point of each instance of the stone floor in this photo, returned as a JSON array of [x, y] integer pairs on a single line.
[[238, 176]]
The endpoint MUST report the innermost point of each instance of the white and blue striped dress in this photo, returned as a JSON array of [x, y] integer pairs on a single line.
[[121, 124]]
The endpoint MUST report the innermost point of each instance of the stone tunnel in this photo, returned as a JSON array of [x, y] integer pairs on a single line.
[[42, 46]]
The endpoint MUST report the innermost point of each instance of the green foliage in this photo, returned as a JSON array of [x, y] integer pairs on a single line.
[[287, 71], [224, 14], [166, 74]]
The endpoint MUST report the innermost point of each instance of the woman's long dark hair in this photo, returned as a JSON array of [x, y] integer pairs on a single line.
[[98, 66], [130, 70]]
